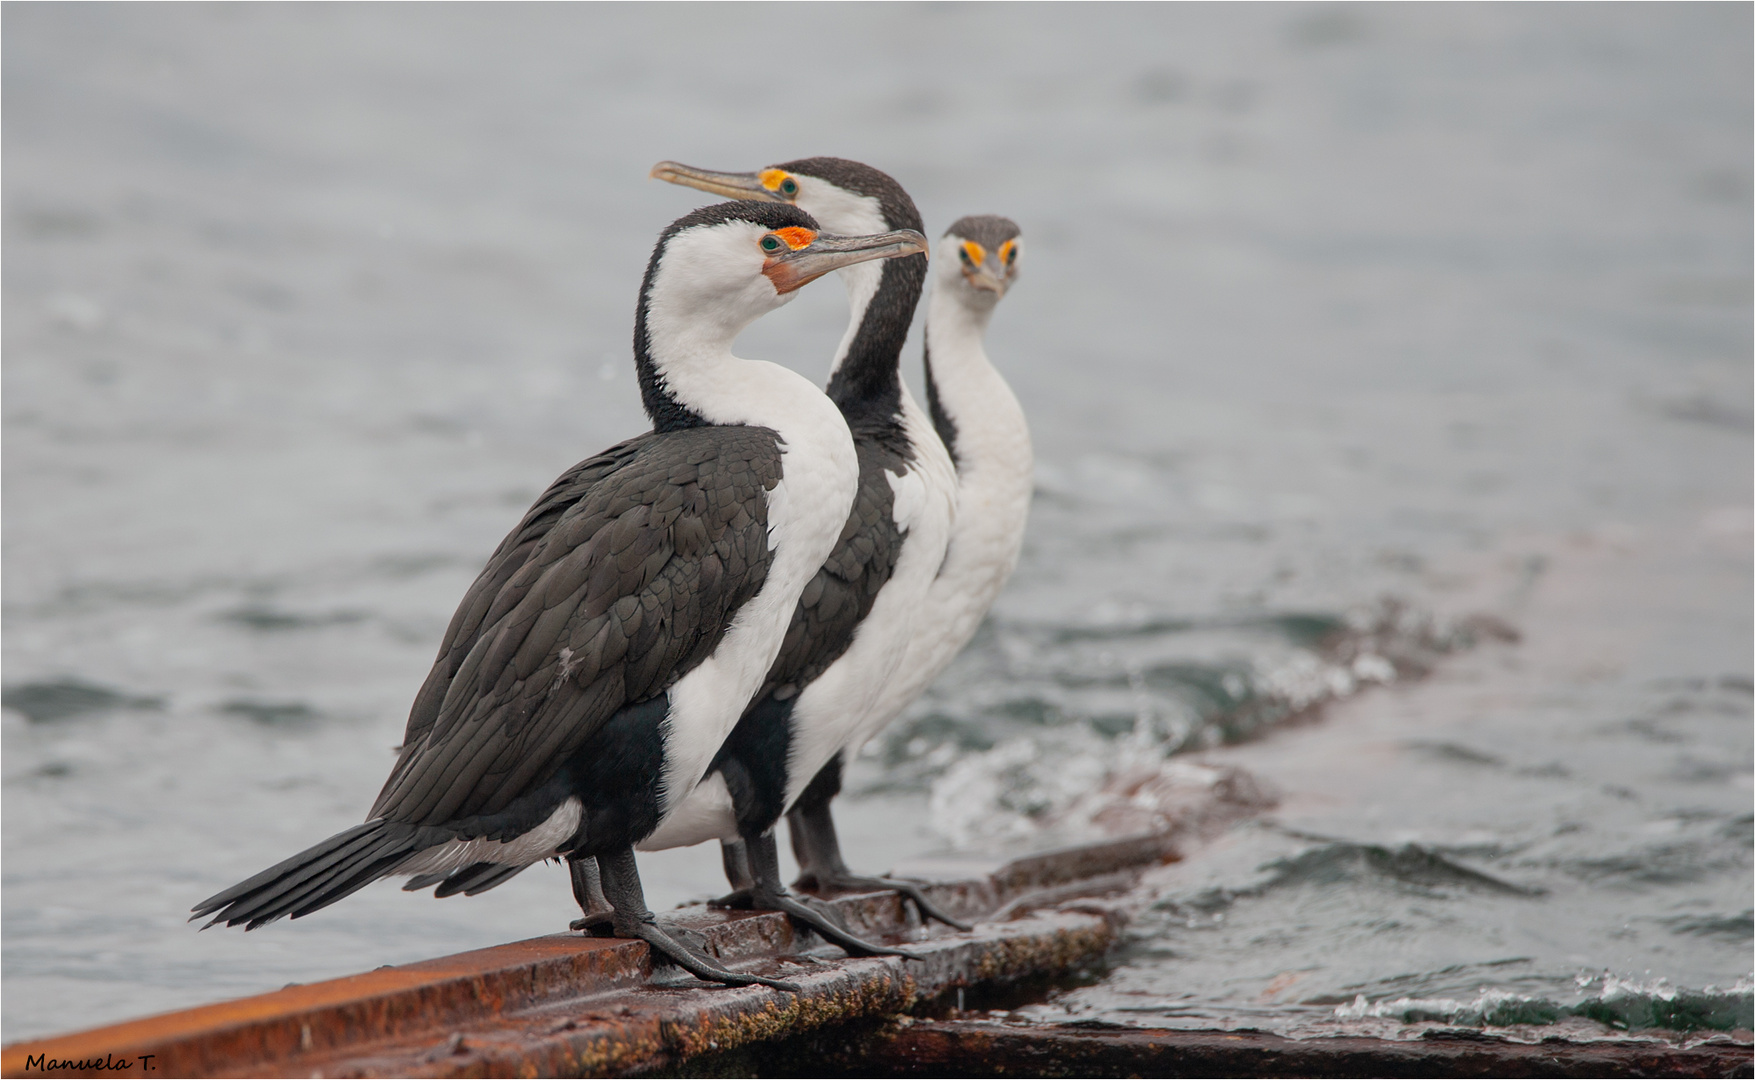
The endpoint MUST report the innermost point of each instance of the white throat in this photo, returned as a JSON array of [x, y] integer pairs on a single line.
[[707, 289], [840, 211], [862, 281], [992, 449]]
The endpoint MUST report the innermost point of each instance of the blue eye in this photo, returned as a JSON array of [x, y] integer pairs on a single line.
[[772, 243], [789, 186]]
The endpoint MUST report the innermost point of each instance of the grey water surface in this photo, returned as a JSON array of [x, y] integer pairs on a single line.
[[1338, 326]]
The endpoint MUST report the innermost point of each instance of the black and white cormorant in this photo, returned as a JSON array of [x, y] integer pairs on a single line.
[[857, 617], [617, 634], [983, 428]]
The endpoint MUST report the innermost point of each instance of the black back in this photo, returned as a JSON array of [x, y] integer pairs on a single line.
[[620, 580]]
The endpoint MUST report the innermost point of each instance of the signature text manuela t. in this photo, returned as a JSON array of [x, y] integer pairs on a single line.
[[107, 1063]]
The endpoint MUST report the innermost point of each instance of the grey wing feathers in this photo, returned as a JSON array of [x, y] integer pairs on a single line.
[[471, 880], [477, 879], [506, 560], [620, 579], [623, 576]]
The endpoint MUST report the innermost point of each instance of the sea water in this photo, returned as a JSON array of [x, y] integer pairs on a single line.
[[1389, 373]]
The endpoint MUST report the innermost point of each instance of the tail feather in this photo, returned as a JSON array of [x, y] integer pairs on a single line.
[[280, 869], [288, 890], [360, 869], [315, 877], [280, 896], [388, 859], [477, 878]]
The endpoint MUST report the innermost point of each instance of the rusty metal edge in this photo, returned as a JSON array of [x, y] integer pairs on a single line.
[[338, 1016], [656, 1028], [331, 1014], [502, 996]]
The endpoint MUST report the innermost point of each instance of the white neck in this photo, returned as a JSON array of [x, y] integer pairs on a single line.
[[701, 372], [843, 212], [862, 281], [994, 462], [705, 293], [992, 438]]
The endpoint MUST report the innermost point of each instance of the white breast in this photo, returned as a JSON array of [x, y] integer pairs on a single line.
[[805, 516], [994, 483], [839, 709], [834, 710]]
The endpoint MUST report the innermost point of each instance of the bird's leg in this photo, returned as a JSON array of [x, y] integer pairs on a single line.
[[768, 894], [632, 919], [737, 871], [599, 917], [821, 867], [814, 843]]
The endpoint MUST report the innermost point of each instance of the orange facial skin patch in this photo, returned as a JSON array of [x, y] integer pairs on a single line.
[[1007, 249], [772, 178], [796, 236], [976, 252]]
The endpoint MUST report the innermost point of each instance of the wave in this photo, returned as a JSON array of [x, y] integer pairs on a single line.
[[1623, 1004], [1036, 721], [1409, 867]]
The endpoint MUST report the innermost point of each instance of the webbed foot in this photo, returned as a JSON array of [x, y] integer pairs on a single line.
[[620, 880], [845, 882], [768, 894], [664, 945], [818, 848]]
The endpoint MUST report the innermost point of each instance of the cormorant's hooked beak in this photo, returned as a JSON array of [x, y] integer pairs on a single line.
[[990, 276], [790, 270], [984, 270], [732, 185]]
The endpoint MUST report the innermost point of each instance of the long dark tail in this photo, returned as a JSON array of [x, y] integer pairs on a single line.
[[317, 876], [471, 880]]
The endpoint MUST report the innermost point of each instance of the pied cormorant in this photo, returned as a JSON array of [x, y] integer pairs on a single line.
[[983, 428], [856, 618], [617, 634]]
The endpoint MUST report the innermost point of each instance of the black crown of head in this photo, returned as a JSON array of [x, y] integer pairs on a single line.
[[988, 230], [769, 215], [861, 179]]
